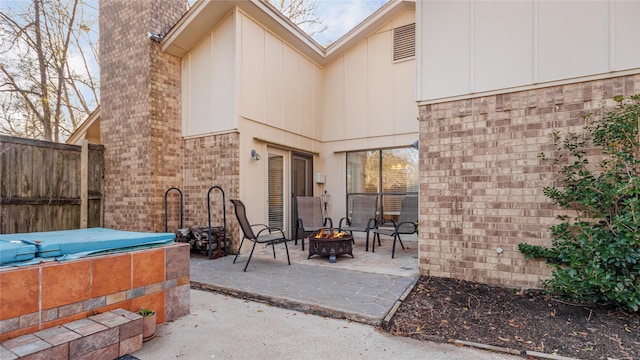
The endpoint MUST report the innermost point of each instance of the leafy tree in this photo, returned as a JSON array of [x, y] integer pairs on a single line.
[[301, 13], [47, 83], [596, 252]]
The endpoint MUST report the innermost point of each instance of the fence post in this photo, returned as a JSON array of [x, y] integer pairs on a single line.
[[84, 184]]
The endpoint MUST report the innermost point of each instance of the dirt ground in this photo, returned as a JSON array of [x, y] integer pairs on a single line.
[[444, 310]]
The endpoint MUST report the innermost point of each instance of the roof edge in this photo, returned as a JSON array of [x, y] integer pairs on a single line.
[[203, 15]]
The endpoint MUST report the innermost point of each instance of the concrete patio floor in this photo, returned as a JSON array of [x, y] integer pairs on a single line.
[[312, 309], [363, 288], [225, 327]]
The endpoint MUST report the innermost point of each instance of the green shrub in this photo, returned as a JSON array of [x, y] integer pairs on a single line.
[[595, 251]]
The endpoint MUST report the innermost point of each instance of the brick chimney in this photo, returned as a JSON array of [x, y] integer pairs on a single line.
[[139, 111]]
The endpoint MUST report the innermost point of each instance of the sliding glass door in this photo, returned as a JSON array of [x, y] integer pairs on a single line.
[[290, 174], [389, 174]]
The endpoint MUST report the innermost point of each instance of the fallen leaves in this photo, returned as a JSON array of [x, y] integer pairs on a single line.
[[514, 324], [448, 310]]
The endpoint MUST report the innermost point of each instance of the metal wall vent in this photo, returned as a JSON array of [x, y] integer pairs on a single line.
[[404, 42]]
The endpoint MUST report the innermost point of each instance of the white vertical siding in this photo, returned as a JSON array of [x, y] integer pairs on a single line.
[[368, 99], [223, 80], [273, 80], [573, 39], [446, 45], [405, 110], [500, 28], [208, 83], [278, 85], [185, 87], [292, 87], [468, 47], [333, 94], [200, 89], [355, 99], [626, 34], [306, 100], [252, 65], [318, 82], [380, 78], [243, 71]]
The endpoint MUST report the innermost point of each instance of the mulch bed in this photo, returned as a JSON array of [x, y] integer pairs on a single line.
[[444, 310]]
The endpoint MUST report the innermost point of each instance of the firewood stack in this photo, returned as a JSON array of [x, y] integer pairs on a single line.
[[198, 237]]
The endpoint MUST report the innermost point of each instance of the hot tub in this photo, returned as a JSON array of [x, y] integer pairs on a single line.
[[12, 251], [25, 248], [127, 270]]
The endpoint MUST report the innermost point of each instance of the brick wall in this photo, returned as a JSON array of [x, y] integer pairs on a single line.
[[208, 161], [145, 153], [165, 108], [481, 178], [140, 111]]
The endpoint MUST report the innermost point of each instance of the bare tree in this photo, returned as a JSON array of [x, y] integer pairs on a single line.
[[301, 13], [47, 55]]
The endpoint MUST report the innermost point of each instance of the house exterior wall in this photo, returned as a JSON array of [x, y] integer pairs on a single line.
[[368, 103], [277, 83], [366, 94], [242, 79], [519, 70], [208, 161], [481, 178], [140, 112], [242, 87], [508, 44], [209, 85]]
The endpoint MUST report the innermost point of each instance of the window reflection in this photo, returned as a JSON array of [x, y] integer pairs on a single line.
[[389, 174]]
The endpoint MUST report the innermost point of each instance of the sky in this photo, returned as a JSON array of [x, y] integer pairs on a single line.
[[340, 16]]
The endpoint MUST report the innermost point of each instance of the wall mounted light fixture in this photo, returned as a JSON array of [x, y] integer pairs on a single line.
[[155, 37], [254, 155]]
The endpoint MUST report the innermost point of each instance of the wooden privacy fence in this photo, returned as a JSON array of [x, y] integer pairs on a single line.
[[47, 186]]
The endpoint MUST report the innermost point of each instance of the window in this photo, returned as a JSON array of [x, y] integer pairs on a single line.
[[276, 191], [404, 42], [389, 174]]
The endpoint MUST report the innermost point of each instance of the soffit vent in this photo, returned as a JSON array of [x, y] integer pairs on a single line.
[[404, 42]]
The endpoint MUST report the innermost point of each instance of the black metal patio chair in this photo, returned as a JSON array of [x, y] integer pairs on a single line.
[[363, 217], [266, 235], [309, 219], [407, 224]]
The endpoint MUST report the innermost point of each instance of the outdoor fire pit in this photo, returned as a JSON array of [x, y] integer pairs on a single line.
[[330, 244]]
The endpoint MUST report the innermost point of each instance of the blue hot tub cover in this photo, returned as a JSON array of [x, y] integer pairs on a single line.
[[70, 244], [16, 250]]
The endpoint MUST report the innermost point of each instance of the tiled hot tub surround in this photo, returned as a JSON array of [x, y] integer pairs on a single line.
[[38, 297]]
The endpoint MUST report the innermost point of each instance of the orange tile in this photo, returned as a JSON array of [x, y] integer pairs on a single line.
[[19, 332], [65, 283], [148, 267], [110, 275], [19, 294], [153, 301]]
